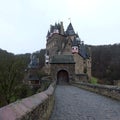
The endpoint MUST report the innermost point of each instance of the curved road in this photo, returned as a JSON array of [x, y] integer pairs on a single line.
[[72, 103]]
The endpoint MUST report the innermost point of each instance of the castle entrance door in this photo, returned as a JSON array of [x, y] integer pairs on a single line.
[[62, 77]]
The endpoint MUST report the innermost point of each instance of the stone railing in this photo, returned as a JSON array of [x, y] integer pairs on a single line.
[[107, 90], [36, 107]]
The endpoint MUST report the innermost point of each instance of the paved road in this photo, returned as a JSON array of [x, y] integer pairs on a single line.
[[72, 103]]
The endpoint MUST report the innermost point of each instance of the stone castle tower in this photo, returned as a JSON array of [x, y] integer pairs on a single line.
[[67, 57]]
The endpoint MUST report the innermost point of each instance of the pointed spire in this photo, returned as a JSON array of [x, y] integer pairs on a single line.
[[70, 30]]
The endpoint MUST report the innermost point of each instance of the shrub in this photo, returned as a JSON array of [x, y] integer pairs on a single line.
[[93, 80]]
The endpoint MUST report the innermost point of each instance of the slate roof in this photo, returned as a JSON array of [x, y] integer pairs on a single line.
[[76, 41], [83, 51], [70, 30], [62, 59]]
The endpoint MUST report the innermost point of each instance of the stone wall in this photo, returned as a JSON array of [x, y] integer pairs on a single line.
[[67, 50], [54, 44], [117, 82], [79, 64], [107, 90], [89, 67], [81, 78], [36, 107]]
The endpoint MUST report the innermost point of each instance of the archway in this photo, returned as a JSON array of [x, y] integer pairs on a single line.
[[62, 77]]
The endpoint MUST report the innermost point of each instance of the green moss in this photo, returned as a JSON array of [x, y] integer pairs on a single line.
[[93, 80]]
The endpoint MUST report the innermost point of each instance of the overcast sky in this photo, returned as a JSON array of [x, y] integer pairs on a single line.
[[24, 23]]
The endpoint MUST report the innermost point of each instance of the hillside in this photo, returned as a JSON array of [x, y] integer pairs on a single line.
[[106, 62]]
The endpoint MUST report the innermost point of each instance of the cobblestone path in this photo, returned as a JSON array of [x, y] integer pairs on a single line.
[[72, 103]]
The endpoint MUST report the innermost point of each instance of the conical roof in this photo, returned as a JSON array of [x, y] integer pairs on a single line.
[[70, 30]]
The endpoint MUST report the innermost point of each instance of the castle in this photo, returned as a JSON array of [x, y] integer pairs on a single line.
[[31, 77], [67, 58]]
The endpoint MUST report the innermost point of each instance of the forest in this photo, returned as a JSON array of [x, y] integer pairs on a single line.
[[106, 62], [105, 67], [11, 75], [12, 72]]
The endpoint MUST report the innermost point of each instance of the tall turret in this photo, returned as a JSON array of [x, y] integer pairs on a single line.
[[61, 28], [56, 29]]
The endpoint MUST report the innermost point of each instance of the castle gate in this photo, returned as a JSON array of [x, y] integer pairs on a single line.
[[62, 68], [62, 77]]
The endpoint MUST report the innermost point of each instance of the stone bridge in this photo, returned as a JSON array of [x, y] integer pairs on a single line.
[[71, 103]]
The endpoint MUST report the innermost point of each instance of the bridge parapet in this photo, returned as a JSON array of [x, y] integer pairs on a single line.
[[36, 107], [107, 90]]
